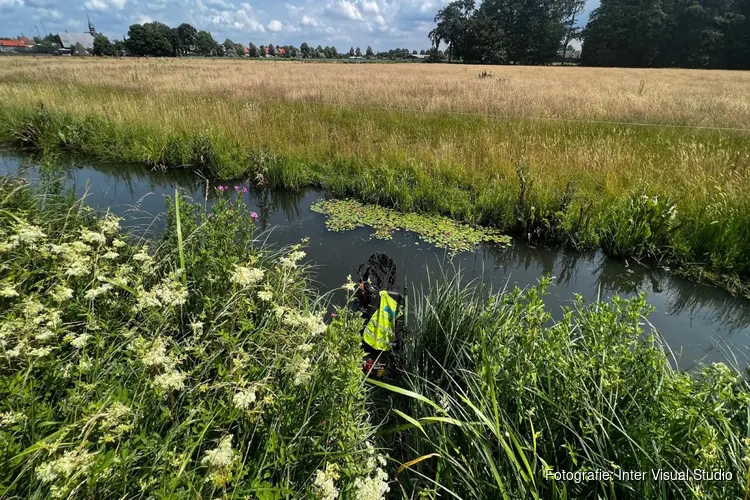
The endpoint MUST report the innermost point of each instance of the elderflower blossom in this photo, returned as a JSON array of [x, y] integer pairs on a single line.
[[244, 276], [93, 237], [8, 418], [324, 484], [372, 487], [219, 462], [244, 399], [98, 291], [8, 292], [72, 462], [61, 294], [265, 296], [29, 234]]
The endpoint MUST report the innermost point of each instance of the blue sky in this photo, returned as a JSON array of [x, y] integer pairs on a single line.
[[383, 24]]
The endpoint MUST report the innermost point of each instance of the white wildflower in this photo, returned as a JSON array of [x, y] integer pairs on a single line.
[[349, 285], [61, 294], [220, 461], [8, 291], [93, 237], [44, 335], [118, 243], [279, 311], [110, 224], [40, 352], [173, 380], [29, 234], [116, 421], [265, 296], [245, 276], [324, 484], [74, 462], [156, 355], [98, 291], [197, 327], [372, 488], [299, 369], [79, 342], [9, 418], [244, 399], [84, 365], [170, 292], [291, 260], [309, 322], [111, 255]]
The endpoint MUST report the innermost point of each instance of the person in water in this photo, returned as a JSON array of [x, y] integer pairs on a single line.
[[383, 318]]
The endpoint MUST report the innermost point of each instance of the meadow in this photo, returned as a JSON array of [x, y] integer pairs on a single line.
[[203, 365], [646, 164]]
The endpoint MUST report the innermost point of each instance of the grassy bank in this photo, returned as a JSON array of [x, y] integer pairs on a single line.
[[199, 365], [676, 195]]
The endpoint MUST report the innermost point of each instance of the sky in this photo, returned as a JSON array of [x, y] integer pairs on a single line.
[[382, 24]]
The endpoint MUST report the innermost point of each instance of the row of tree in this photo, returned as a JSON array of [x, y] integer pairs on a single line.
[[159, 40], [506, 31], [643, 33], [664, 33]]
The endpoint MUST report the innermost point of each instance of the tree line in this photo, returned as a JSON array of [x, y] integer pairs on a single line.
[[159, 40], [631, 33]]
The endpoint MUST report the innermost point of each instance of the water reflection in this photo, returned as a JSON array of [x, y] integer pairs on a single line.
[[695, 320]]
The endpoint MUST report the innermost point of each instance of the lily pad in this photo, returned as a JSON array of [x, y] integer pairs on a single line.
[[345, 215]]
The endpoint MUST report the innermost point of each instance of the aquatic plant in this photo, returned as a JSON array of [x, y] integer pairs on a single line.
[[440, 231]]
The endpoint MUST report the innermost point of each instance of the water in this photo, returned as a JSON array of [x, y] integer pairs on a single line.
[[700, 323]]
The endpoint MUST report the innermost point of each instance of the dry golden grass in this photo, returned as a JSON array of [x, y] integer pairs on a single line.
[[684, 97]]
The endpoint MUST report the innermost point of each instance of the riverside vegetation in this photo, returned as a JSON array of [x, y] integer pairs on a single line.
[[200, 365], [581, 156]]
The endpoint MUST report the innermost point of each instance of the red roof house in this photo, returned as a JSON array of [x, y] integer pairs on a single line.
[[12, 43]]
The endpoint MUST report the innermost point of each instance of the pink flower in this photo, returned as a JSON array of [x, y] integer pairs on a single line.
[[237, 188], [244, 189], [254, 216], [333, 314], [222, 188]]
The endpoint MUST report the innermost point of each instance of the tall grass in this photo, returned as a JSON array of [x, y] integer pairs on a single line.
[[501, 395], [198, 367], [551, 181]]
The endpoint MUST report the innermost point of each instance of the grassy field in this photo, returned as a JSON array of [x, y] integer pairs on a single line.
[[203, 366], [561, 154]]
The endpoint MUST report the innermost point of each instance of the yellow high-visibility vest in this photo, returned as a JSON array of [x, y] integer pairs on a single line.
[[380, 331]]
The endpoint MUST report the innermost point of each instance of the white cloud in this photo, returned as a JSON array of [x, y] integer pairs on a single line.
[[344, 9], [11, 3], [104, 5], [274, 26], [309, 21], [370, 7]]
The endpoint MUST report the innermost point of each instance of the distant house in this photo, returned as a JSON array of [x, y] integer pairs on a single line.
[[418, 56], [12, 46], [280, 51]]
